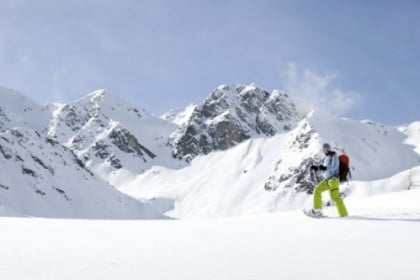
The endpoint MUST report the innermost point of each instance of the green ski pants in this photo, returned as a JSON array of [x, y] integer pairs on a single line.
[[333, 186]]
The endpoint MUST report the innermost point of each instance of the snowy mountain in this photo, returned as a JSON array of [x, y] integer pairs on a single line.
[[113, 138], [268, 174], [376, 151], [42, 177], [17, 110], [243, 150], [231, 115]]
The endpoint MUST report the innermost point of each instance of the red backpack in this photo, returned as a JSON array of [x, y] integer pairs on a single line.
[[344, 168]]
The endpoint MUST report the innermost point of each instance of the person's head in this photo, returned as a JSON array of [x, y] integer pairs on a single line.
[[326, 148]]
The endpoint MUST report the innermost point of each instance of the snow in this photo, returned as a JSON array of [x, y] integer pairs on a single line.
[[179, 116], [231, 182], [41, 178], [287, 245], [259, 233], [413, 132], [376, 150], [378, 241], [219, 184], [21, 111], [96, 116]]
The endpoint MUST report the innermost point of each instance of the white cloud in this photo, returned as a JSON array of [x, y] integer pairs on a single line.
[[318, 91]]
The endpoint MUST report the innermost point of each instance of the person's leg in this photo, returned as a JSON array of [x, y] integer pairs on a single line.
[[333, 185], [321, 187]]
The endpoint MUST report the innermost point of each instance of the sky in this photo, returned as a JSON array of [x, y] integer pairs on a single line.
[[358, 59]]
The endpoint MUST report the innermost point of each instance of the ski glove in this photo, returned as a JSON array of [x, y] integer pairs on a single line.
[[318, 167], [322, 167]]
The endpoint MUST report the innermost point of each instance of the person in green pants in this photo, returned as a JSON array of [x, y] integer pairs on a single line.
[[331, 183]]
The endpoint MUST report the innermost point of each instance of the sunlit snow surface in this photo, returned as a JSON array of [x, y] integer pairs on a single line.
[[288, 245], [231, 182]]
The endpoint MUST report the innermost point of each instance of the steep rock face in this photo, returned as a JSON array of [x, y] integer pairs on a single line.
[[110, 135], [230, 115]]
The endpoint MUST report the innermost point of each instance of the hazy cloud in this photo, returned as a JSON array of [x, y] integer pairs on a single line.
[[319, 91]]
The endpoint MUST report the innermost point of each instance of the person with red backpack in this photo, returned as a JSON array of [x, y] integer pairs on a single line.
[[336, 170]]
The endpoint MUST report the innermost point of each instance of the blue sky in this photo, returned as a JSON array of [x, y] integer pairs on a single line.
[[357, 58]]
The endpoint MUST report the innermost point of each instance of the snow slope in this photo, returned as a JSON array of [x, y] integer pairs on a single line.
[[219, 184], [17, 110], [41, 177], [270, 174], [286, 245], [378, 241], [413, 135], [180, 116]]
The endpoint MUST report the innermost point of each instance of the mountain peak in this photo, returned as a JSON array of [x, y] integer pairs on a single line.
[[230, 115], [102, 96], [97, 94], [21, 110]]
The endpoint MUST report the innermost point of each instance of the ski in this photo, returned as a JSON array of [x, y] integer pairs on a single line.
[[307, 213]]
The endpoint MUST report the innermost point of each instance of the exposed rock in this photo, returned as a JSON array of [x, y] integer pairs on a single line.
[[231, 115], [299, 177], [127, 142]]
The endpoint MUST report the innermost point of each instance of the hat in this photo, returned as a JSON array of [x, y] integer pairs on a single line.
[[326, 146]]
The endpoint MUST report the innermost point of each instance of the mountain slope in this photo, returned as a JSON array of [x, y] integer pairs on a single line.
[[272, 173], [180, 116], [413, 135], [42, 177], [17, 110], [111, 137], [376, 151]]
